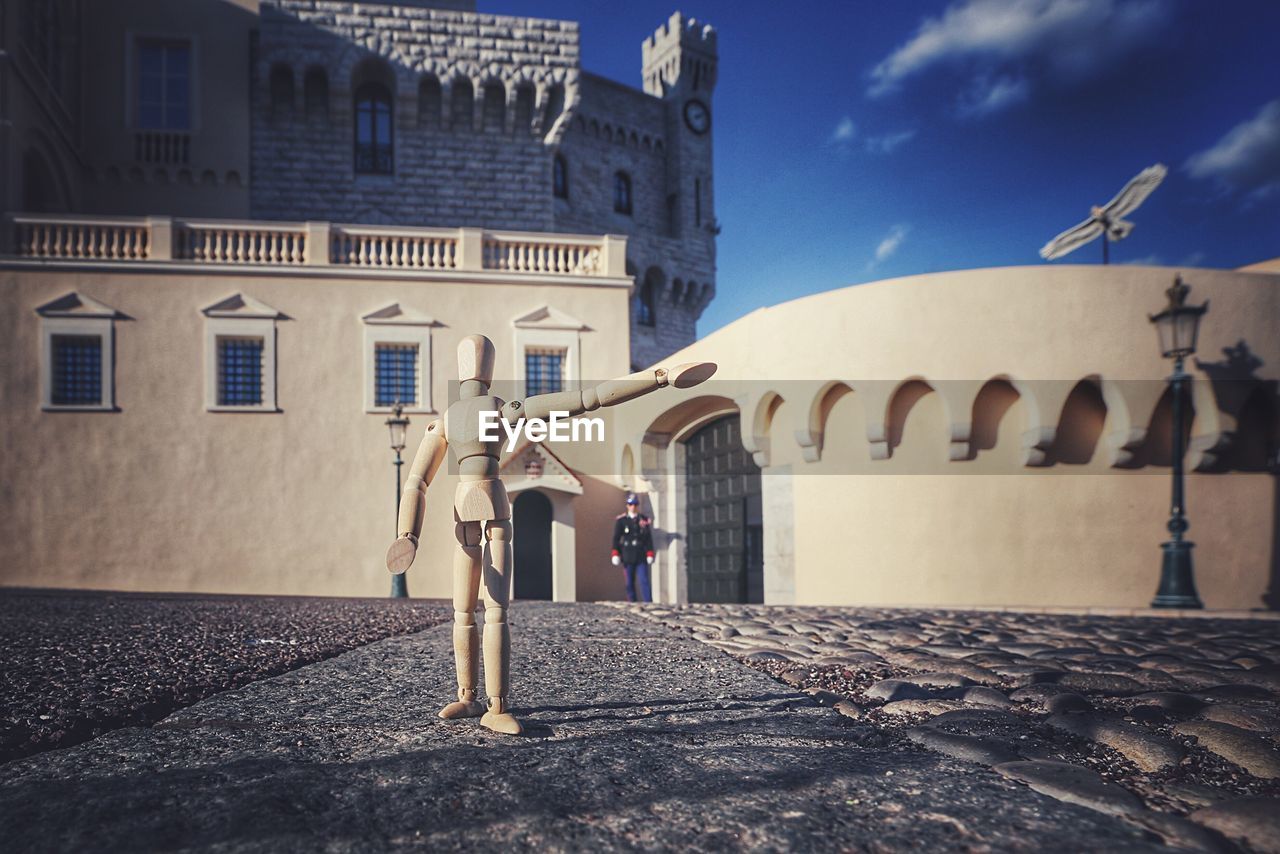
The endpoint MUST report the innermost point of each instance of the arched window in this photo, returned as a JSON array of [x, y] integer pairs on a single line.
[[560, 177], [462, 105], [524, 108], [555, 106], [281, 89], [40, 189], [315, 90], [622, 193], [373, 129], [644, 304], [429, 100], [44, 39], [495, 107]]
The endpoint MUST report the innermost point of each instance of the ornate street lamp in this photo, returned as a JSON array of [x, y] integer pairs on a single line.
[[1178, 326], [398, 425]]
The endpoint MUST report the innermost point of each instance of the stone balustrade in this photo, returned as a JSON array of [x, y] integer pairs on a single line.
[[236, 243], [542, 254], [59, 238], [81, 238], [380, 246]]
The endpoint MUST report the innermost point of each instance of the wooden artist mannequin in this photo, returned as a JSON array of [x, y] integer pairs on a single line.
[[483, 512]]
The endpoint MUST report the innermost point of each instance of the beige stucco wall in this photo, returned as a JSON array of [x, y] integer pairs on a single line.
[[164, 495], [906, 483], [954, 515]]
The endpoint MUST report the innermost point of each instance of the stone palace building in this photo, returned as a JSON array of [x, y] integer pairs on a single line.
[[256, 225], [406, 113], [238, 231]]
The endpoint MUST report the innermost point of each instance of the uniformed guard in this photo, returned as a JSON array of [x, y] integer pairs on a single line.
[[633, 550]]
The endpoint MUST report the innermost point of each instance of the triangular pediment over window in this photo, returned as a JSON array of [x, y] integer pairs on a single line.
[[549, 318], [534, 465], [239, 305], [76, 305], [397, 314]]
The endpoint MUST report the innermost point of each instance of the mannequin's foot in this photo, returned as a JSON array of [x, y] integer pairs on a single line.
[[462, 709], [503, 722]]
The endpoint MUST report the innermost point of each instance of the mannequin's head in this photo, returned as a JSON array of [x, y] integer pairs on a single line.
[[475, 365]]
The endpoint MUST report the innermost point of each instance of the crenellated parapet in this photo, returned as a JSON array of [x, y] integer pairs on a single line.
[[680, 53]]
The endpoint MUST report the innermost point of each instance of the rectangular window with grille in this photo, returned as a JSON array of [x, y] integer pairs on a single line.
[[395, 375], [77, 370], [164, 84], [543, 371], [239, 371]]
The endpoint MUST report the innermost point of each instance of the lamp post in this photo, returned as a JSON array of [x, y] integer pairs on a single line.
[[1177, 327], [398, 425]]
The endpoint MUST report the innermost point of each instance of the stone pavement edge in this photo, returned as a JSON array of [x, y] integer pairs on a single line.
[[637, 737]]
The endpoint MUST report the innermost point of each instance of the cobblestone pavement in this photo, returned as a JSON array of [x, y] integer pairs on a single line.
[[1169, 723], [74, 665], [638, 737]]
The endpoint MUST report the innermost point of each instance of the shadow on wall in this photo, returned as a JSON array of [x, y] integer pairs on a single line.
[[1254, 444]]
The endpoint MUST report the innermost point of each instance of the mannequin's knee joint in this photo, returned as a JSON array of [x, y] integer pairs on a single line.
[[495, 614], [467, 534], [464, 618]]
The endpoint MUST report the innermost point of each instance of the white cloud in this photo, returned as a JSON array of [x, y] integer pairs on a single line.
[[985, 96], [1155, 259], [1063, 41], [888, 142], [889, 245], [1247, 158], [845, 131]]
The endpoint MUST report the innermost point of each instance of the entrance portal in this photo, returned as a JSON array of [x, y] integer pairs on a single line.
[[531, 539], [724, 551]]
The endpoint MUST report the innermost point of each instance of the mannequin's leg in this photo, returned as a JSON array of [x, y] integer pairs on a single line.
[[496, 569], [466, 638]]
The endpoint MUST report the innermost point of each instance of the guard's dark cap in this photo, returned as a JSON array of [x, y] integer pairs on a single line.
[[631, 499]]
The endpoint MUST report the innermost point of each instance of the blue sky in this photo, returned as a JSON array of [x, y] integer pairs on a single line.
[[857, 141]]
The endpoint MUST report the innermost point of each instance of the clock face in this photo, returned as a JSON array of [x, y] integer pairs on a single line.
[[697, 116]]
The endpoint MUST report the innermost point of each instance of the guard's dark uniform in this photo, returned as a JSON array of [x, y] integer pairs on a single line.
[[633, 545], [633, 538]]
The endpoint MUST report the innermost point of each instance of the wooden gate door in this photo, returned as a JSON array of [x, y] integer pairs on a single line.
[[723, 553]]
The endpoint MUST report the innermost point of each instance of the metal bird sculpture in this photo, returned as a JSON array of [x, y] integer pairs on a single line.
[[1107, 220]]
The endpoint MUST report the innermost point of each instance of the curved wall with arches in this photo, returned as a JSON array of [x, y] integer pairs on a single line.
[[993, 437]]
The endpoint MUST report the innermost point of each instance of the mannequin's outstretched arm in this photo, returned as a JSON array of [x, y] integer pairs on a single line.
[[609, 393], [413, 500]]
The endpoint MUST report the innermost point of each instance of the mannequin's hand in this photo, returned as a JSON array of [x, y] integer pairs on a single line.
[[617, 561], [649, 560], [402, 552]]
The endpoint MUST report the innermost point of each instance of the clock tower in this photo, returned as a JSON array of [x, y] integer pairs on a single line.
[[679, 66]]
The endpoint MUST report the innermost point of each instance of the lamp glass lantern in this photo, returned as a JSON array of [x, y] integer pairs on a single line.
[[1178, 325], [398, 425]]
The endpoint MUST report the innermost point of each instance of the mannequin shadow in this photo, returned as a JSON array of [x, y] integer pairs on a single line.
[[660, 708]]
